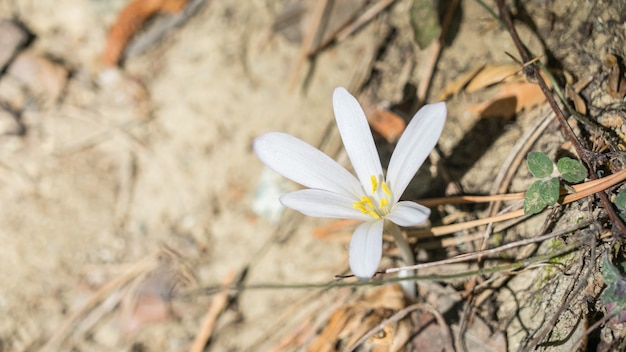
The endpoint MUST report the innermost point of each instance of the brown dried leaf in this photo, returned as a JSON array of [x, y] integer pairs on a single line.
[[387, 124], [453, 88], [493, 74], [579, 103], [129, 21], [616, 82], [354, 320], [511, 99]]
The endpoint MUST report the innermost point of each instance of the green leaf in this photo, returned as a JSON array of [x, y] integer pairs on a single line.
[[425, 22], [539, 164], [614, 295], [620, 200], [571, 170], [541, 194], [610, 273]]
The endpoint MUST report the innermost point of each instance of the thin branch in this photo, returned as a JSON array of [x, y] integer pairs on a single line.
[[478, 254], [219, 303], [535, 76]]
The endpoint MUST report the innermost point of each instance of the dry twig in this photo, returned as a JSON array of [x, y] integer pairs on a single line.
[[582, 190], [479, 254], [535, 75], [217, 305]]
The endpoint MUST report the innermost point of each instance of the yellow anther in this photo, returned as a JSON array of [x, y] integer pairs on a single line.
[[359, 206], [373, 214], [386, 189], [383, 203], [374, 181], [367, 201], [366, 206]]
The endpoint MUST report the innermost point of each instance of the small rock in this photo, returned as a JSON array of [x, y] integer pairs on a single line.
[[39, 74], [12, 38]]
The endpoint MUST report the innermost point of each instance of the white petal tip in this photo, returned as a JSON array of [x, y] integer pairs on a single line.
[[341, 96], [435, 110], [340, 91]]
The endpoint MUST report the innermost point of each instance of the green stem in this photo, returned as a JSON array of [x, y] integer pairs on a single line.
[[547, 258], [407, 256]]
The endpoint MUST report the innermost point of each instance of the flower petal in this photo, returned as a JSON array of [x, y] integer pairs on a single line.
[[323, 204], [304, 164], [366, 249], [408, 214], [419, 138], [357, 137]]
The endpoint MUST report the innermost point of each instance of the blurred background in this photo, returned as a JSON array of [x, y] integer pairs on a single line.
[[130, 193]]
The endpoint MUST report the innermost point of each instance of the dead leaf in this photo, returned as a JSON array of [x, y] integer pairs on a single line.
[[616, 82], [387, 124], [454, 88], [129, 21], [494, 74], [511, 99], [349, 323], [579, 103]]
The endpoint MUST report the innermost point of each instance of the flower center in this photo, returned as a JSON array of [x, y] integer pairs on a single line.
[[377, 203]]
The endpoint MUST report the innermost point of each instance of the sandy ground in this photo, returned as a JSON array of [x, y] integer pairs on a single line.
[[133, 186]]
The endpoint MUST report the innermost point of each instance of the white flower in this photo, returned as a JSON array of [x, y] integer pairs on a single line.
[[372, 197]]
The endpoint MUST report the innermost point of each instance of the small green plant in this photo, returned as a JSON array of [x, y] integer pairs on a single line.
[[614, 295], [425, 22], [545, 191]]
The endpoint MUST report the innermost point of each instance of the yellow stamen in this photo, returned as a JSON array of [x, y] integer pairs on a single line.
[[367, 201], [366, 206], [360, 206], [374, 181], [373, 214], [386, 189]]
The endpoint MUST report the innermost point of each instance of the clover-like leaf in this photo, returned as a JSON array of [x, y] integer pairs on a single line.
[[539, 164], [541, 194], [571, 170]]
